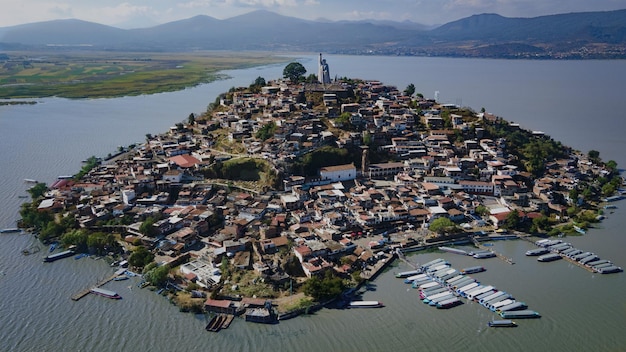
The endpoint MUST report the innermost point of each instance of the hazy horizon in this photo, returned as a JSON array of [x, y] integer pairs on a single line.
[[146, 13]]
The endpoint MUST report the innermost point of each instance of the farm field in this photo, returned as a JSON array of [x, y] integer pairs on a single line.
[[104, 74]]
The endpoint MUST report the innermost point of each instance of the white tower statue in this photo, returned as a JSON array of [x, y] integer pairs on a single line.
[[323, 74]]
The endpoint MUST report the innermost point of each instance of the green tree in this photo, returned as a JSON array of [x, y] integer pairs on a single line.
[[512, 220], [442, 225], [611, 165], [594, 155], [321, 289], [76, 237], [312, 78], [267, 131], [260, 82], [147, 227], [140, 257], [573, 194], [410, 89], [158, 275], [38, 190], [482, 210], [294, 71], [191, 120]]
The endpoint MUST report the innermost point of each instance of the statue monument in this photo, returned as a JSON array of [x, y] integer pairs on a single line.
[[323, 74]]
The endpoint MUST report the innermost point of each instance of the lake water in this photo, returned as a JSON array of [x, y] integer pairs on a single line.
[[577, 102]]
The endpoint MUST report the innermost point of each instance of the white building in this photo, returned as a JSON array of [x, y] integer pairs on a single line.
[[337, 173]]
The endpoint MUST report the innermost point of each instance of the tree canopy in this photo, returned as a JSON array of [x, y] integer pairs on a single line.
[[294, 71], [410, 89], [321, 289], [140, 257], [443, 225]]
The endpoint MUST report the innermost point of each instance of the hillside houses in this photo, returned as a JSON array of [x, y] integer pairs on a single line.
[[436, 166]]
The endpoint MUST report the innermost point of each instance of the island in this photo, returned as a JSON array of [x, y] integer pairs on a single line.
[[288, 195]]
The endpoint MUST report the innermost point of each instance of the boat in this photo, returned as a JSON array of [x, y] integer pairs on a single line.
[[463, 290], [435, 296], [30, 180], [484, 255], [581, 256], [483, 289], [597, 262], [82, 255], [536, 252], [494, 295], [560, 247], [462, 282], [494, 307], [569, 251], [495, 298], [433, 262], [120, 278], [520, 314], [513, 306], [436, 268], [547, 243], [404, 274], [549, 257], [10, 230], [53, 246], [428, 285], [588, 259], [452, 250], [435, 302], [603, 265], [502, 324], [215, 324], [454, 279], [473, 269], [452, 302], [365, 304], [610, 270], [105, 293], [438, 290], [52, 257], [413, 278]]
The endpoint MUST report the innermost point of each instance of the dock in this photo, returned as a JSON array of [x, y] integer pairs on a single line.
[[499, 255], [219, 322], [402, 257], [86, 291]]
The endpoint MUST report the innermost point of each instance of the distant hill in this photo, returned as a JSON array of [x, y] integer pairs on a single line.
[[572, 35]]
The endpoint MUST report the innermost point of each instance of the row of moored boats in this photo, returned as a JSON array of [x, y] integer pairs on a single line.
[[443, 287], [551, 250]]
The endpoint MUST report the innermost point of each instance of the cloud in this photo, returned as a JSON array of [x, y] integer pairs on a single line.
[[369, 15], [120, 13]]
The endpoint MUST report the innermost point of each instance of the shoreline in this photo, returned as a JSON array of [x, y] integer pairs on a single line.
[[387, 262]]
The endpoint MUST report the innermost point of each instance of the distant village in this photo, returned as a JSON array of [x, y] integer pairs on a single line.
[[438, 161]]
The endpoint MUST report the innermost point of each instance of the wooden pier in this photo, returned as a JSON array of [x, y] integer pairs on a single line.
[[402, 257], [501, 256], [86, 291]]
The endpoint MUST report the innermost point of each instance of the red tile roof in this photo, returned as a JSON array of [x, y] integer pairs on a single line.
[[185, 160]]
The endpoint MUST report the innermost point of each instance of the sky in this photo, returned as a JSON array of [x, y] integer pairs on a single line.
[[146, 13]]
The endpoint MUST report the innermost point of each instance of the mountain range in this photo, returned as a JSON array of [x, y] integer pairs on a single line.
[[572, 35]]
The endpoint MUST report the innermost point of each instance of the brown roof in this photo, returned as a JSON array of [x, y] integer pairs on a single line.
[[222, 303], [185, 160]]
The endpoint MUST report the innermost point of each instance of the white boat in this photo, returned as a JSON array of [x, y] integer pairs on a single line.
[[365, 304]]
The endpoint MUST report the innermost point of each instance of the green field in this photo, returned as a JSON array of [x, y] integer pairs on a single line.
[[101, 75]]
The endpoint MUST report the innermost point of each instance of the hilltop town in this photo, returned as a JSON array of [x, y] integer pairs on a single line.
[[289, 181]]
